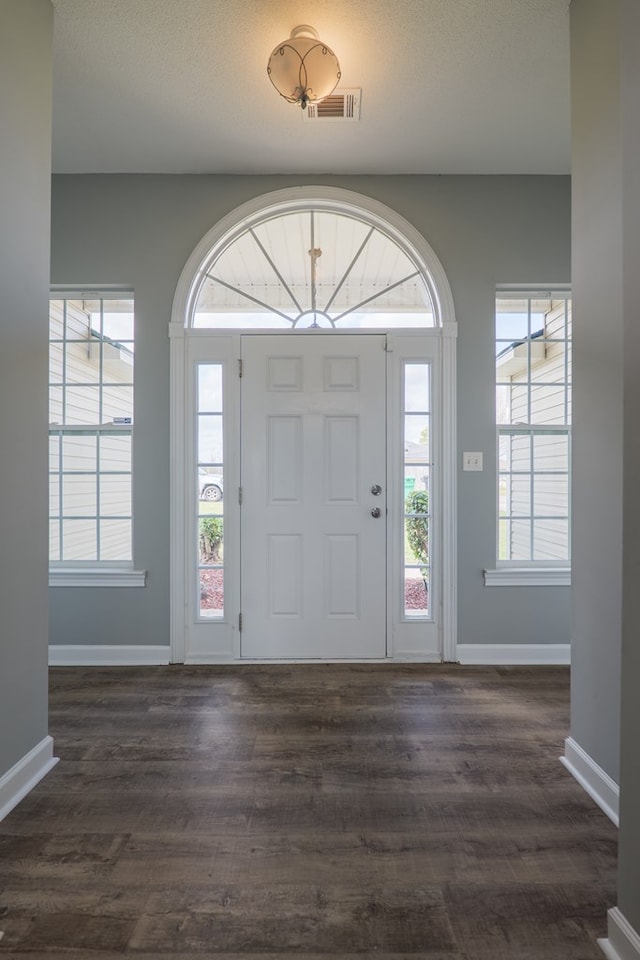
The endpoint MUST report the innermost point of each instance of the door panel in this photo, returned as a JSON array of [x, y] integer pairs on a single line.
[[342, 558], [284, 459], [313, 443], [284, 575], [341, 459]]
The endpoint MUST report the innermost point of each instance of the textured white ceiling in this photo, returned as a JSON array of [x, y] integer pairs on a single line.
[[180, 86]]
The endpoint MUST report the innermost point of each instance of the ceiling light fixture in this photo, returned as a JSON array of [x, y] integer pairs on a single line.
[[303, 69]]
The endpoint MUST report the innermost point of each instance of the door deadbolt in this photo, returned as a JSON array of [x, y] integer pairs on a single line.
[[376, 489]]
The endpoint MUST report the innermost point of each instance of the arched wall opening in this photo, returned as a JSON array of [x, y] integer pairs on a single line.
[[333, 266]]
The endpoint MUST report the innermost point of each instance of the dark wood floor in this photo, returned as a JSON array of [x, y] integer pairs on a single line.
[[307, 811]]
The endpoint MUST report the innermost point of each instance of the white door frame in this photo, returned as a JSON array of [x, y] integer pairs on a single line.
[[182, 360]]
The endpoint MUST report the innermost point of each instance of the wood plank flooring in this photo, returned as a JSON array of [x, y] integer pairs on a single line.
[[309, 811]]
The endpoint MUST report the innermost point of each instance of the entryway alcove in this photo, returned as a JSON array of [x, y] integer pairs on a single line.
[[313, 437]]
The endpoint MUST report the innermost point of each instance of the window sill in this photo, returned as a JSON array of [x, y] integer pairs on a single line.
[[528, 577], [96, 577]]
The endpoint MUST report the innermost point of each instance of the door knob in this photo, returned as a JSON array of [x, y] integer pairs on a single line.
[[375, 512], [376, 489]]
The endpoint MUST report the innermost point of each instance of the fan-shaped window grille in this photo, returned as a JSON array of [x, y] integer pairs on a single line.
[[310, 268]]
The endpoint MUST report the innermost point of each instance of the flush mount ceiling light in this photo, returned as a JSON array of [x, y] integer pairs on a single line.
[[303, 69]]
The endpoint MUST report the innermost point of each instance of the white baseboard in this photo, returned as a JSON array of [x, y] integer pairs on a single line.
[[25, 774], [592, 778], [85, 655], [206, 659], [623, 942], [512, 654]]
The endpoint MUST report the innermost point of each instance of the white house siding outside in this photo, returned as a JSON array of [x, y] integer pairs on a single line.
[[90, 414], [534, 464]]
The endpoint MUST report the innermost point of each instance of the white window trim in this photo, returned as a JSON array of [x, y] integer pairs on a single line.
[[96, 576], [528, 577], [515, 573], [95, 573]]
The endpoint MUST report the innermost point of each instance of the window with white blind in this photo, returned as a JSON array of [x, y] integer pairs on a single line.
[[533, 417], [91, 364]]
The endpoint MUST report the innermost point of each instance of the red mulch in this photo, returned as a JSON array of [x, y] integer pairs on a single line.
[[211, 591], [211, 594]]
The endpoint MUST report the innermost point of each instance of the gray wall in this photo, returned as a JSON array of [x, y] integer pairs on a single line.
[[606, 252], [25, 172], [629, 858], [597, 392], [140, 230]]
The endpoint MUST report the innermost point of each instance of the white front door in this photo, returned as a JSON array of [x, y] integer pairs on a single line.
[[314, 496]]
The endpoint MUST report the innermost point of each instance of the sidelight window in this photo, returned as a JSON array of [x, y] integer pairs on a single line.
[[210, 490], [417, 468]]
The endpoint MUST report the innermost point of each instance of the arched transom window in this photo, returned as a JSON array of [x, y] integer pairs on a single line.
[[310, 267]]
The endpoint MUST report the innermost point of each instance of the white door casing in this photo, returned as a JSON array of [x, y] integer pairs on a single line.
[[192, 639], [313, 445], [333, 417]]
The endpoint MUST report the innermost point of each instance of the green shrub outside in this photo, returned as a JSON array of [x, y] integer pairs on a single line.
[[417, 502], [210, 539]]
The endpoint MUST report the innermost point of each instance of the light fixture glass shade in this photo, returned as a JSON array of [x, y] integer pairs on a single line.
[[303, 69]]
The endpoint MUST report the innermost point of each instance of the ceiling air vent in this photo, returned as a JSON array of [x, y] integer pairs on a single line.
[[340, 105]]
